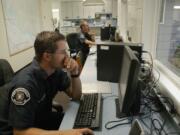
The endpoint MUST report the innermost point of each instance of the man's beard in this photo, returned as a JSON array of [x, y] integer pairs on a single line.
[[56, 66]]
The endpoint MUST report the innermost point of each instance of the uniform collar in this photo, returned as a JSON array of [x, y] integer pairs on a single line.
[[39, 72]]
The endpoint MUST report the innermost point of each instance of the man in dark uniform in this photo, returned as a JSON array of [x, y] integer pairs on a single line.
[[26, 102], [86, 38]]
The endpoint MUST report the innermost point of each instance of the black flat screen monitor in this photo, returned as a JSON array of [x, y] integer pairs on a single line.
[[128, 102]]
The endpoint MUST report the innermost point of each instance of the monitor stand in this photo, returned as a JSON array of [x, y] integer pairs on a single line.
[[119, 114]]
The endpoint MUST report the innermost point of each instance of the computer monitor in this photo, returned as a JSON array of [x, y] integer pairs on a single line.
[[109, 59], [128, 102], [108, 33]]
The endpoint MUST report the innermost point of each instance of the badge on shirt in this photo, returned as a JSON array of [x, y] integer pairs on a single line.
[[20, 96]]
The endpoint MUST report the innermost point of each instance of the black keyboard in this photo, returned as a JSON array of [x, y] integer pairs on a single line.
[[89, 113]]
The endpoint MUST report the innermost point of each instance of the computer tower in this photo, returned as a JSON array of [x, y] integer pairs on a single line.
[[109, 59], [107, 33], [104, 33]]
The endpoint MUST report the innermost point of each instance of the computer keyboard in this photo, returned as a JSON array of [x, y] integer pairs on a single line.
[[89, 113]]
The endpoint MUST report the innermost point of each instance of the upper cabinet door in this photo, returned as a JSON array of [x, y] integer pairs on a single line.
[[98, 9], [63, 10], [89, 11], [77, 9], [114, 8], [81, 10], [69, 10], [108, 6], [66, 10]]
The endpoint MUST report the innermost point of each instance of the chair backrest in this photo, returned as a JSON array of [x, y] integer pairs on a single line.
[[6, 72], [73, 41], [75, 46]]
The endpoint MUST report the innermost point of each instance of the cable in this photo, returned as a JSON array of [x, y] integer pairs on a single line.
[[160, 127], [149, 55], [150, 100], [172, 133], [170, 102], [119, 124], [151, 60]]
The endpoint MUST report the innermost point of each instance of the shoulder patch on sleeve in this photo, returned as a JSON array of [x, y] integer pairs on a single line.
[[20, 96]]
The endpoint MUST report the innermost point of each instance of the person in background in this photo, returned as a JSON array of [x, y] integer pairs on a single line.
[[87, 39], [57, 30], [26, 104]]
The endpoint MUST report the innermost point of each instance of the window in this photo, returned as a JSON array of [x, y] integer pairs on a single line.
[[168, 42], [162, 11]]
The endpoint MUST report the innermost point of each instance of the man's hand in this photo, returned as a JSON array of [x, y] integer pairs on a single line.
[[71, 65], [92, 34], [83, 131], [37, 131]]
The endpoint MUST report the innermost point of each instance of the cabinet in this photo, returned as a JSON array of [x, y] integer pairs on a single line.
[[108, 6], [89, 11], [66, 30], [77, 10], [114, 8], [71, 10], [66, 10]]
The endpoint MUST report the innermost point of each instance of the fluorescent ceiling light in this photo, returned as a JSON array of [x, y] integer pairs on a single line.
[[55, 10], [93, 2], [176, 7]]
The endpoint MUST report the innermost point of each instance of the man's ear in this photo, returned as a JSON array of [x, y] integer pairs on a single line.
[[47, 56]]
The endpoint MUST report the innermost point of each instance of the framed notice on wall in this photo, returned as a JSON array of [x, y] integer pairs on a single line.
[[22, 22]]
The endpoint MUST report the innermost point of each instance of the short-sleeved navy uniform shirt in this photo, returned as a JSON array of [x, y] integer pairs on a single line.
[[83, 37], [28, 100]]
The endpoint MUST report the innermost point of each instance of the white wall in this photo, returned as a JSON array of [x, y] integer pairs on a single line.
[[150, 24], [122, 20], [165, 31], [46, 12], [56, 4], [135, 12], [21, 59], [18, 60]]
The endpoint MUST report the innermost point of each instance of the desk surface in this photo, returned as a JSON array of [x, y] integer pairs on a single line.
[[109, 110], [108, 42]]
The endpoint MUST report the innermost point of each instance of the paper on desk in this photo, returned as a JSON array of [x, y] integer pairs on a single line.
[[99, 87]]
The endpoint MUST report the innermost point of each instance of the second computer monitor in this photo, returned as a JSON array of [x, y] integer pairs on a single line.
[[128, 102]]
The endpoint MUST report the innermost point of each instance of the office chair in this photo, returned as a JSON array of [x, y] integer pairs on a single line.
[[6, 75], [75, 47], [6, 72], [73, 42]]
